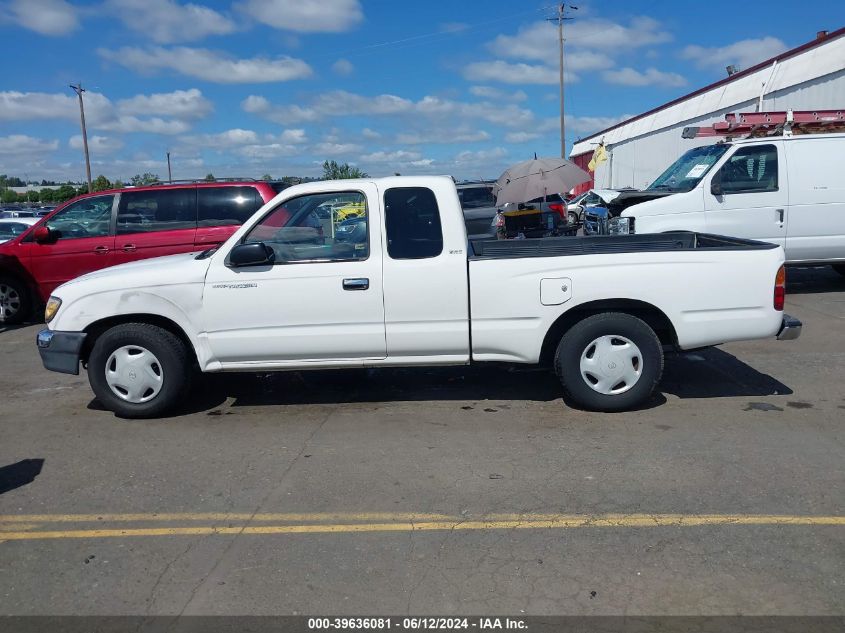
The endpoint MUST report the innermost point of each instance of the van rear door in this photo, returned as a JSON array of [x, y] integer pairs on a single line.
[[816, 230]]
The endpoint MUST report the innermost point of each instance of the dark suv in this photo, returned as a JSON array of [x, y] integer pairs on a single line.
[[107, 228]]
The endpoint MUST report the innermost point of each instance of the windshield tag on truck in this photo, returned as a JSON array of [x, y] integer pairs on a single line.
[[697, 171]]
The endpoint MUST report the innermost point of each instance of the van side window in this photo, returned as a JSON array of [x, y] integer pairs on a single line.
[[89, 217], [226, 206], [164, 210], [412, 220], [751, 169]]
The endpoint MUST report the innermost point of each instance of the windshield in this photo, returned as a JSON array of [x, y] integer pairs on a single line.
[[686, 172]]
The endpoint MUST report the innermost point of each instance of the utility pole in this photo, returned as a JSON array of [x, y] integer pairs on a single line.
[[561, 18], [169, 174], [78, 89]]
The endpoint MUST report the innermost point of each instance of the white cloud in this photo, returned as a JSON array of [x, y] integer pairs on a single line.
[[167, 21], [102, 114], [96, 144], [208, 65], [47, 17], [340, 103], [509, 73], [651, 77], [306, 16], [488, 92], [343, 67], [398, 156], [181, 104], [745, 53], [23, 145], [442, 135], [370, 134], [248, 142], [481, 156], [521, 137], [336, 149]]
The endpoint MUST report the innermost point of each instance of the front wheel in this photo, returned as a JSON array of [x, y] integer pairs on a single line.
[[609, 362], [840, 268], [139, 370]]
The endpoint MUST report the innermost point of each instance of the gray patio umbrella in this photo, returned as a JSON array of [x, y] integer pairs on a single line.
[[537, 178]]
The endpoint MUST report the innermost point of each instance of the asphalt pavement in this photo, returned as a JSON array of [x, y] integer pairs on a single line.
[[437, 491]]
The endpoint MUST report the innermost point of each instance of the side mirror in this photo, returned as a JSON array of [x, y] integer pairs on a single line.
[[43, 234], [252, 254], [716, 184]]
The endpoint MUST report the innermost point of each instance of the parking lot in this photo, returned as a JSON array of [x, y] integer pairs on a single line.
[[454, 490]]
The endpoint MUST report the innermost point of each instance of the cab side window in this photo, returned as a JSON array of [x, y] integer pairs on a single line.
[[412, 221], [751, 169], [89, 217], [316, 228], [151, 210]]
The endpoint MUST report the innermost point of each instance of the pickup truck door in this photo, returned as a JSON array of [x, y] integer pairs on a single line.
[[321, 301], [753, 199]]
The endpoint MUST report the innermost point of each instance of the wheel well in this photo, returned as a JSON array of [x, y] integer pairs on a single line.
[[98, 327], [651, 315]]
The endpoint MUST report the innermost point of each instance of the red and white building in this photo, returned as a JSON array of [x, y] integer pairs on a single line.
[[809, 77]]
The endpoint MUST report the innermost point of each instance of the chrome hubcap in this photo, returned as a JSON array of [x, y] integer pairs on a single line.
[[10, 301], [611, 364], [134, 374]]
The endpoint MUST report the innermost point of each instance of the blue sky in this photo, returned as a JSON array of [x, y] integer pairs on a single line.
[[277, 86]]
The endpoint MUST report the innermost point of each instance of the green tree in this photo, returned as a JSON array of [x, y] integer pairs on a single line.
[[139, 180], [64, 193], [8, 196], [33, 195], [48, 195], [333, 171], [210, 178], [118, 184], [101, 183], [267, 177]]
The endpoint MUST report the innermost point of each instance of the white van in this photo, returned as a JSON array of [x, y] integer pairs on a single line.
[[788, 190]]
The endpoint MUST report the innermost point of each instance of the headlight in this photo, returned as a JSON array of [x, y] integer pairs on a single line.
[[620, 226], [53, 305]]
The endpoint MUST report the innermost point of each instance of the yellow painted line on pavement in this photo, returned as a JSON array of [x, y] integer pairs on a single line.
[[556, 522], [227, 516]]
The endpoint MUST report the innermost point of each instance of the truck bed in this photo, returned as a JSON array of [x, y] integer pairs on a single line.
[[607, 244]]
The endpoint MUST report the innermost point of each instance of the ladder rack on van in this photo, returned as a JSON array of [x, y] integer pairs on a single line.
[[760, 124]]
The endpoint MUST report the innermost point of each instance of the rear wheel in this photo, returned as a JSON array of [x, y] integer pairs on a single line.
[[15, 303], [840, 268], [609, 362], [139, 370]]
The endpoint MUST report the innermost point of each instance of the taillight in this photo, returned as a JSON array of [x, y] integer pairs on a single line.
[[560, 209], [780, 288]]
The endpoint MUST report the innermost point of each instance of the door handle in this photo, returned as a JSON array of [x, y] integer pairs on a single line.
[[128, 248], [101, 250], [361, 283], [780, 215]]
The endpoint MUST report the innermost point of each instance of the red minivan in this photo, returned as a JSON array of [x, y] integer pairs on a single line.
[[107, 228]]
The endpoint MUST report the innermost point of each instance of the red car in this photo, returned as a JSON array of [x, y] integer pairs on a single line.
[[107, 228]]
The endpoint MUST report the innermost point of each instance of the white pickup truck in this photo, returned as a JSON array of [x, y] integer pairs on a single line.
[[402, 286]]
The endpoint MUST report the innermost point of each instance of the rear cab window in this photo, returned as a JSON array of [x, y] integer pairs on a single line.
[[412, 223]]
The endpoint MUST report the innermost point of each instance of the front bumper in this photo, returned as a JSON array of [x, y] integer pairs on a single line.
[[790, 328], [60, 350]]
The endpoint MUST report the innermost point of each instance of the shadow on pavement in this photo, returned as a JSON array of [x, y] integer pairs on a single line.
[[708, 373], [713, 373], [802, 280], [19, 474]]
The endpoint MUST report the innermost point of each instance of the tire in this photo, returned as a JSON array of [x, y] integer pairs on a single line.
[[139, 370], [840, 268], [609, 362], [15, 301]]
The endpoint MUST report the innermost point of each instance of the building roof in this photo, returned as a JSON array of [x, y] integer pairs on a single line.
[[817, 58]]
